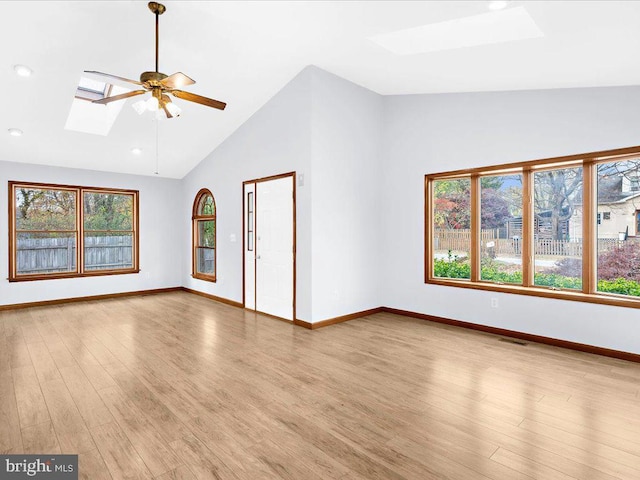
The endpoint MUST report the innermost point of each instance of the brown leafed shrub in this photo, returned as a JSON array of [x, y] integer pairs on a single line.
[[621, 262]]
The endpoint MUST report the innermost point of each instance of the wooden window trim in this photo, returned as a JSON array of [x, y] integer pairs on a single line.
[[589, 163], [195, 218], [79, 232]]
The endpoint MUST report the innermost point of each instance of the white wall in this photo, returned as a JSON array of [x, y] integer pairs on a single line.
[[433, 133], [329, 130], [275, 140], [346, 137], [160, 252]]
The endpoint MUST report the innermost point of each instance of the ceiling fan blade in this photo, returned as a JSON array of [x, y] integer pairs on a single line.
[[122, 96], [177, 80], [114, 77], [192, 97]]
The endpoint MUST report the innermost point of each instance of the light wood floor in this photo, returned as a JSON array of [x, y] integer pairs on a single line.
[[175, 386]]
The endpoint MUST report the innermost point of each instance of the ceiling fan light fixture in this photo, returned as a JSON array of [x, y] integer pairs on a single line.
[[173, 109], [140, 106], [152, 104]]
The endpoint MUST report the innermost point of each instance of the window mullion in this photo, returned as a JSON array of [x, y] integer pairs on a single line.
[[80, 231], [475, 253], [589, 232], [527, 227], [428, 229]]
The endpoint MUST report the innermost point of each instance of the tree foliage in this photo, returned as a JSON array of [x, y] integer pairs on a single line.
[[452, 199], [556, 193], [48, 210], [108, 211], [55, 210]]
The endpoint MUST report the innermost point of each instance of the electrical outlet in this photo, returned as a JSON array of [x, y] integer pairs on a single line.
[[494, 302]]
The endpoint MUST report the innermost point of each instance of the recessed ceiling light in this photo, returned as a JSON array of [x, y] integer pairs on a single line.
[[498, 4], [136, 151], [22, 70], [15, 132]]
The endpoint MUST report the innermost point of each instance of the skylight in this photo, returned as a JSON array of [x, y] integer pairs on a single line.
[[501, 26], [89, 89], [94, 118]]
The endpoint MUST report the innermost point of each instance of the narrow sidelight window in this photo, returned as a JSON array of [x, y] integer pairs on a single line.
[[204, 236]]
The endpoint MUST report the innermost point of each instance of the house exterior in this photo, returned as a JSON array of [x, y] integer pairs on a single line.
[[618, 208]]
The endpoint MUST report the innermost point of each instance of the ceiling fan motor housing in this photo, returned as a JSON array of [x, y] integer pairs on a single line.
[[152, 78]]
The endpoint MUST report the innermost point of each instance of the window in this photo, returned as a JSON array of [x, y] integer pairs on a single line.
[[204, 236], [561, 228], [108, 230], [68, 231], [452, 227], [501, 228], [617, 251], [89, 89], [250, 221], [557, 242]]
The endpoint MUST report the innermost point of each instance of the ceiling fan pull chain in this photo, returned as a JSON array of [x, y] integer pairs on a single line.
[[157, 150]]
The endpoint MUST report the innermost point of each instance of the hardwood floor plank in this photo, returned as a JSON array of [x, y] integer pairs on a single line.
[[46, 369], [180, 473], [583, 442], [527, 466], [40, 439], [91, 466], [72, 432], [204, 463], [18, 351], [89, 404], [140, 396], [10, 435], [60, 354], [142, 433], [32, 408], [118, 454]]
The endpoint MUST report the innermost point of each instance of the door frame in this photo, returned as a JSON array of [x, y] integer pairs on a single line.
[[255, 241]]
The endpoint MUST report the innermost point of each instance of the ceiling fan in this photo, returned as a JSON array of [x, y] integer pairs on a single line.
[[159, 84]]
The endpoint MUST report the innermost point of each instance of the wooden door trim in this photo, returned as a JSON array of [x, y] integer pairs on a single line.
[[255, 241]]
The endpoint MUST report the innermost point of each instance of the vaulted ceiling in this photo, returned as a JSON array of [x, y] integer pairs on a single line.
[[244, 52]]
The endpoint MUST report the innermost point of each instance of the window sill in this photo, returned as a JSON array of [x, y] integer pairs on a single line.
[[206, 278], [58, 276], [598, 298]]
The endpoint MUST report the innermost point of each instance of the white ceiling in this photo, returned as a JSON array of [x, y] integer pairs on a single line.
[[244, 52]]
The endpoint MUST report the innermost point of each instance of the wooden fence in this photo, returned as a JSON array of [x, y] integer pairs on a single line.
[[460, 241], [58, 254]]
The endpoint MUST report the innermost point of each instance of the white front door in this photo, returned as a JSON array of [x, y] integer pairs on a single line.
[[272, 220]]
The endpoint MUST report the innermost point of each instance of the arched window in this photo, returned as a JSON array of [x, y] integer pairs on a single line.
[[204, 236]]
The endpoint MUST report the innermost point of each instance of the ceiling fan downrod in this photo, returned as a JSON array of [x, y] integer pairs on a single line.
[[154, 78], [157, 9]]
